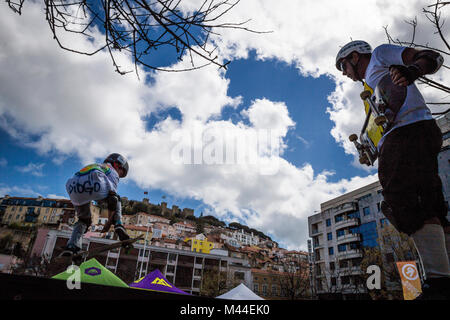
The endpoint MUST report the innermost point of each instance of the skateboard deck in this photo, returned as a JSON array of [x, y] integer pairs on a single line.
[[84, 254], [381, 106]]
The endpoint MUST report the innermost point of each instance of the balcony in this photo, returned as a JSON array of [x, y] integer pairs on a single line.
[[350, 271], [350, 254], [318, 246], [351, 237], [316, 231], [345, 207], [347, 223]]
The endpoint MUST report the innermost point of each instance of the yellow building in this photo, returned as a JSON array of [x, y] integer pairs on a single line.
[[200, 244], [136, 231], [33, 211]]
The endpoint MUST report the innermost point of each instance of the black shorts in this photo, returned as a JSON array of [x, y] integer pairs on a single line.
[[408, 173]]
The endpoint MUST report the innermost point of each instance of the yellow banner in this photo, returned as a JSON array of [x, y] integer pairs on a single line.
[[410, 279]]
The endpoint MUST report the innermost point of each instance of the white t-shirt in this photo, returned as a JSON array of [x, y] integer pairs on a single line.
[[414, 108], [93, 182]]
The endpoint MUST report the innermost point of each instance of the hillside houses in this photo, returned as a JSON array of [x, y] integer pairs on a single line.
[[180, 232]]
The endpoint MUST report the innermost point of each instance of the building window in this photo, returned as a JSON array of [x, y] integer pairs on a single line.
[[342, 248], [333, 281], [328, 221], [274, 290], [369, 234], [338, 218], [366, 197], [170, 269], [264, 290], [332, 266], [331, 251], [354, 214], [330, 236], [340, 233], [384, 222], [366, 211], [256, 288], [345, 280]]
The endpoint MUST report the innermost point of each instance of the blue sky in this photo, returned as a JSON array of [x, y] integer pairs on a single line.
[[60, 111]]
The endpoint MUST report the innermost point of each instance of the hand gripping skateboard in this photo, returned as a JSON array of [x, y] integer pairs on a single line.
[[381, 107], [84, 254]]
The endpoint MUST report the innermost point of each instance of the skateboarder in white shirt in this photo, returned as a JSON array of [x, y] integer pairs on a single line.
[[96, 182], [407, 154]]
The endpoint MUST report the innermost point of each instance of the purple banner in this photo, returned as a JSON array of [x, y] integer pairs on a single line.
[[157, 282]]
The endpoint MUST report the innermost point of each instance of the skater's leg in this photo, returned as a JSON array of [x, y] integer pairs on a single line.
[[76, 240], [447, 241], [119, 229], [430, 242], [84, 221], [115, 216]]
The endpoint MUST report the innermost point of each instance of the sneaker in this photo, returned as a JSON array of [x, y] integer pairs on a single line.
[[69, 251], [121, 233], [69, 254]]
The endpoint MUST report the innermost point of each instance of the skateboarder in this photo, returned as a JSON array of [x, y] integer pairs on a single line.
[[407, 154], [96, 182]]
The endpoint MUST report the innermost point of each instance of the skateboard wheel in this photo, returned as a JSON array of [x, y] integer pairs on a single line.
[[365, 94], [353, 137], [380, 120]]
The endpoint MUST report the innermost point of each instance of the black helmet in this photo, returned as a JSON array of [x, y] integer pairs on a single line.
[[115, 157]]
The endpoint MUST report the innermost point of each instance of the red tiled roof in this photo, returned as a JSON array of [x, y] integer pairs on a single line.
[[137, 228]]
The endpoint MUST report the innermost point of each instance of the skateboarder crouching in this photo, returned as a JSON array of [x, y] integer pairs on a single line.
[[407, 155], [96, 182]]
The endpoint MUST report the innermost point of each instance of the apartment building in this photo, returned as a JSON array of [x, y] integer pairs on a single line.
[[34, 211], [444, 157], [183, 268], [276, 285], [345, 226], [184, 227], [142, 219], [238, 238]]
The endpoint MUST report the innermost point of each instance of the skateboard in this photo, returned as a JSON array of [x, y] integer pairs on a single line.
[[84, 254], [381, 106]]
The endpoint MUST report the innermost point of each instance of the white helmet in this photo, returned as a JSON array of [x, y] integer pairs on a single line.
[[357, 45]]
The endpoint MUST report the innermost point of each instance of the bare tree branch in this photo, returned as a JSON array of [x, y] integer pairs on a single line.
[[139, 27]]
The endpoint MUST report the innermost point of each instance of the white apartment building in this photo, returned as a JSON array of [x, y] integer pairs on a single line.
[[339, 232], [184, 227], [444, 157], [244, 238]]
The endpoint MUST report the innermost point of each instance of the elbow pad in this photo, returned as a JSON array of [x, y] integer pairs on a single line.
[[113, 200], [434, 58]]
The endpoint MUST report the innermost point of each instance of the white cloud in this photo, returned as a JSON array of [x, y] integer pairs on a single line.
[[32, 168], [56, 196], [17, 191], [68, 104]]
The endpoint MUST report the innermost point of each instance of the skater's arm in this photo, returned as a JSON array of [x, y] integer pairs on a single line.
[[416, 64]]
